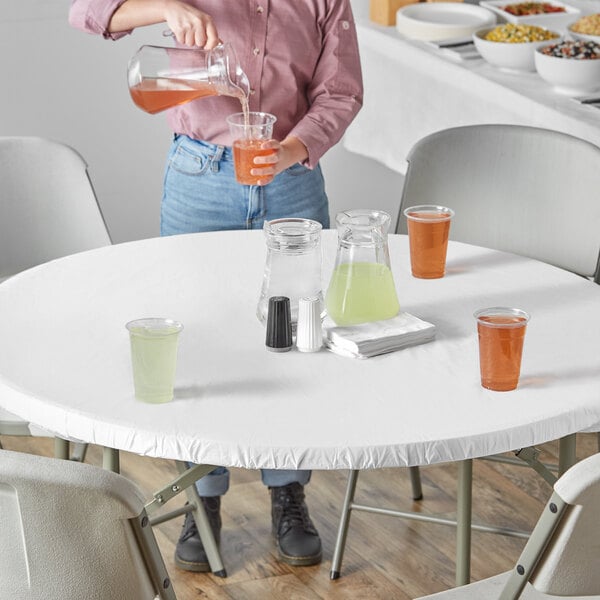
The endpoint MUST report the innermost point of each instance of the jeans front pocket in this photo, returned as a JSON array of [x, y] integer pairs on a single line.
[[189, 158], [297, 170]]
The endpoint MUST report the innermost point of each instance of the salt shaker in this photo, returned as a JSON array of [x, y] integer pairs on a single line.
[[309, 333]]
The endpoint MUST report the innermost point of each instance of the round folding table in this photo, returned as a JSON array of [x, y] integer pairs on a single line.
[[65, 363]]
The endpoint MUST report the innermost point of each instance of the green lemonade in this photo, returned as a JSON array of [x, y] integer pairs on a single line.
[[360, 293], [154, 358]]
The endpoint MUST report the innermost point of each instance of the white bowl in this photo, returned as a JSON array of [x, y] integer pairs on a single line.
[[569, 76], [435, 21], [551, 20], [506, 55], [586, 37]]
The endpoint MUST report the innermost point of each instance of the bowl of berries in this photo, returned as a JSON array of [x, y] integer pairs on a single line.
[[571, 67]]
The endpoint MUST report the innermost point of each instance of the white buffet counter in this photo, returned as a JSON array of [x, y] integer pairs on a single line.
[[413, 89]]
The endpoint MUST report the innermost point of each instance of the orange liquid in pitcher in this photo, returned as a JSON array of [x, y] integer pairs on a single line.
[[244, 152], [156, 94], [500, 350], [428, 244]]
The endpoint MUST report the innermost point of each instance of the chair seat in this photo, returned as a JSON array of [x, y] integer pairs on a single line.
[[489, 589], [72, 531]]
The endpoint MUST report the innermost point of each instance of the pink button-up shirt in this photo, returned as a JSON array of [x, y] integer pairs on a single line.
[[300, 56]]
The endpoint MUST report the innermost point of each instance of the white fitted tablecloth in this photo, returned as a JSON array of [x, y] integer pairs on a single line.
[[413, 89], [65, 363]]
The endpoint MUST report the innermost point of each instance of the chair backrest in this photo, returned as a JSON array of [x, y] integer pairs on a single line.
[[570, 564], [67, 531], [524, 190], [48, 207]]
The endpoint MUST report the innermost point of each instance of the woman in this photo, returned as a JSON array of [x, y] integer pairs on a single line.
[[301, 59]]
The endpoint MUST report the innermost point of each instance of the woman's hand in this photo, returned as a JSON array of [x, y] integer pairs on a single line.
[[286, 153], [191, 26]]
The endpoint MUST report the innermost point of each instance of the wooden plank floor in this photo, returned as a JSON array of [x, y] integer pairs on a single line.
[[386, 558]]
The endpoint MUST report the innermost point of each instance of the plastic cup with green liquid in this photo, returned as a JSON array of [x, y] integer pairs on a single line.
[[154, 357]]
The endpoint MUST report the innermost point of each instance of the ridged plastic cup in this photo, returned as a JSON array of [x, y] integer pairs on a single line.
[[501, 333], [154, 357], [428, 228], [248, 138]]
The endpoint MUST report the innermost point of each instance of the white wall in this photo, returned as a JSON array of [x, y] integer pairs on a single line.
[[353, 181], [64, 84]]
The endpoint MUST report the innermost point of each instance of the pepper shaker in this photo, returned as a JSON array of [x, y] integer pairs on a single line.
[[279, 325]]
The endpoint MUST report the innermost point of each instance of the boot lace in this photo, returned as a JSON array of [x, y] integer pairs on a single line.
[[189, 528], [294, 512], [212, 507]]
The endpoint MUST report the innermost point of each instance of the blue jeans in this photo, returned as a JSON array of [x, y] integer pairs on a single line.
[[201, 194]]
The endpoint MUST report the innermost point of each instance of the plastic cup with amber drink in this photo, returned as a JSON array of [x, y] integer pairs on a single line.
[[501, 333], [428, 228], [250, 132]]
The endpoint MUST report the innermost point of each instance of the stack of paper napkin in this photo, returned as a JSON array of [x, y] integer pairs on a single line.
[[377, 337]]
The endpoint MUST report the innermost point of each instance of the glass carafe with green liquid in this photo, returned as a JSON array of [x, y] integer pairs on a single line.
[[362, 286]]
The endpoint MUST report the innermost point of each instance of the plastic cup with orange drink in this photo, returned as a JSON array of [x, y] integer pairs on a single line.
[[501, 333], [428, 228], [250, 131]]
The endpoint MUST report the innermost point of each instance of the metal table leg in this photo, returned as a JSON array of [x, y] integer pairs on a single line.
[[110, 460], [567, 453], [61, 448], [463, 522], [340, 542]]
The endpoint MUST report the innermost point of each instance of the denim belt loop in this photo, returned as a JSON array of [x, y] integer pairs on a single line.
[[214, 163]]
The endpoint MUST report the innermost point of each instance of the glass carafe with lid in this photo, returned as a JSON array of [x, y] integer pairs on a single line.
[[160, 78], [293, 264], [362, 286]]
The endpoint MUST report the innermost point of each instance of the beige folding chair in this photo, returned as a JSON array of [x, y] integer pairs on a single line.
[[561, 557], [523, 190], [48, 209], [74, 531]]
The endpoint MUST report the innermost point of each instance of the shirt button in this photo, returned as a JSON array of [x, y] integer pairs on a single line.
[[252, 92], [256, 51], [345, 25], [259, 9]]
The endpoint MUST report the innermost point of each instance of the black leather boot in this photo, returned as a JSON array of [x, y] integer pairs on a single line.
[[189, 552], [298, 541]]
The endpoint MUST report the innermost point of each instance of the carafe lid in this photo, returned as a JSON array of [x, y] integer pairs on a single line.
[[292, 234], [363, 226]]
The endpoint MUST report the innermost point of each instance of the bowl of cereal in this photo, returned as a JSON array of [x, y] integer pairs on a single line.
[[587, 28], [571, 67], [511, 46]]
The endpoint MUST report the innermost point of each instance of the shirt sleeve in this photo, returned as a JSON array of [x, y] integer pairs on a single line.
[[336, 91], [93, 16]]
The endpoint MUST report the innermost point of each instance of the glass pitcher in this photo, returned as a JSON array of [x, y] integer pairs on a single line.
[[362, 286], [293, 264], [160, 78]]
